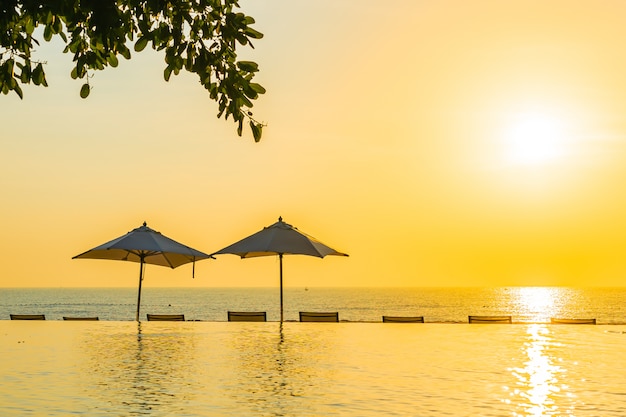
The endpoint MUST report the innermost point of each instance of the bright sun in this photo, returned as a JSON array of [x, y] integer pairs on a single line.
[[534, 138]]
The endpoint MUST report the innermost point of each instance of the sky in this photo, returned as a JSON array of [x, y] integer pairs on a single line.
[[438, 143]]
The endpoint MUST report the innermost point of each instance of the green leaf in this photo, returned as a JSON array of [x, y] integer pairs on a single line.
[[84, 91], [47, 33], [241, 38], [167, 73], [38, 75], [178, 63], [141, 43], [248, 66], [19, 92], [257, 131], [246, 101], [112, 59], [30, 27], [9, 67], [25, 76], [124, 51], [57, 26], [254, 34], [258, 88]]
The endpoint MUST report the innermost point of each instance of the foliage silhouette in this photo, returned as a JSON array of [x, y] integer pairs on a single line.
[[199, 36]]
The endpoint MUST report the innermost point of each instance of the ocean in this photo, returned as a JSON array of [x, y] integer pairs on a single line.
[[360, 367], [437, 305]]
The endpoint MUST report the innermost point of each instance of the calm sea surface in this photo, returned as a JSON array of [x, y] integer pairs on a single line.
[[439, 305], [118, 367]]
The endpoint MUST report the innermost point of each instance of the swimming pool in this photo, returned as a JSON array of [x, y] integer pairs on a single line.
[[197, 369]]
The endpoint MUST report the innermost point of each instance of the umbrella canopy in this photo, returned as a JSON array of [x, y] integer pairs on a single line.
[[279, 239], [145, 246]]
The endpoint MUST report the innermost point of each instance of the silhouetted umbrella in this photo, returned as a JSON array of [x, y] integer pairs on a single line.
[[279, 239], [146, 246]]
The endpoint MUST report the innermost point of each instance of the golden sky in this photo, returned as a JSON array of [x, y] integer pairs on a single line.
[[439, 143]]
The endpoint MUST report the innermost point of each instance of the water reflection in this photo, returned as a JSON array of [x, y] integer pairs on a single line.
[[202, 369], [276, 370], [538, 381], [140, 372], [537, 304]]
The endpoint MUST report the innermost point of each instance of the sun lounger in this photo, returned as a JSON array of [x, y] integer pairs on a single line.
[[80, 318], [490, 319], [166, 317], [572, 321], [319, 317], [247, 316], [28, 317], [403, 319]]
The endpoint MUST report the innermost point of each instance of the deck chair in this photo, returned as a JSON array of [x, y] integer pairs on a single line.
[[247, 316], [490, 319], [166, 317], [80, 318], [28, 316], [572, 321], [318, 317], [403, 319]]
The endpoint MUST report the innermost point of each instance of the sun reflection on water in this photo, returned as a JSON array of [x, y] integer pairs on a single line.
[[537, 304], [538, 381]]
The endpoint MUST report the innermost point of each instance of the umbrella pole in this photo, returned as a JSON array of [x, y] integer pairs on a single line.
[[280, 257], [139, 292]]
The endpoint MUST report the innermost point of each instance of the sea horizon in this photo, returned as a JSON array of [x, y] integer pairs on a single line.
[[353, 304]]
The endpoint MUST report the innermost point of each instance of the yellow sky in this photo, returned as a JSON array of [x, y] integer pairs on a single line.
[[439, 143]]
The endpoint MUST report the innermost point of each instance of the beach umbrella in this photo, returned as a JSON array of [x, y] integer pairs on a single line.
[[146, 246], [279, 239]]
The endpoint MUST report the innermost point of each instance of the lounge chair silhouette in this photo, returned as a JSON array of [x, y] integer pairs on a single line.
[[490, 319], [67, 318], [247, 316], [572, 321], [319, 317], [28, 316], [403, 319], [165, 317]]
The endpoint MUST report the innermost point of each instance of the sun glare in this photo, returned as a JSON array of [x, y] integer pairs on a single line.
[[539, 379], [534, 138], [537, 304]]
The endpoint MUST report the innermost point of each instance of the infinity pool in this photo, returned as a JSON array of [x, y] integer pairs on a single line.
[[57, 368]]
